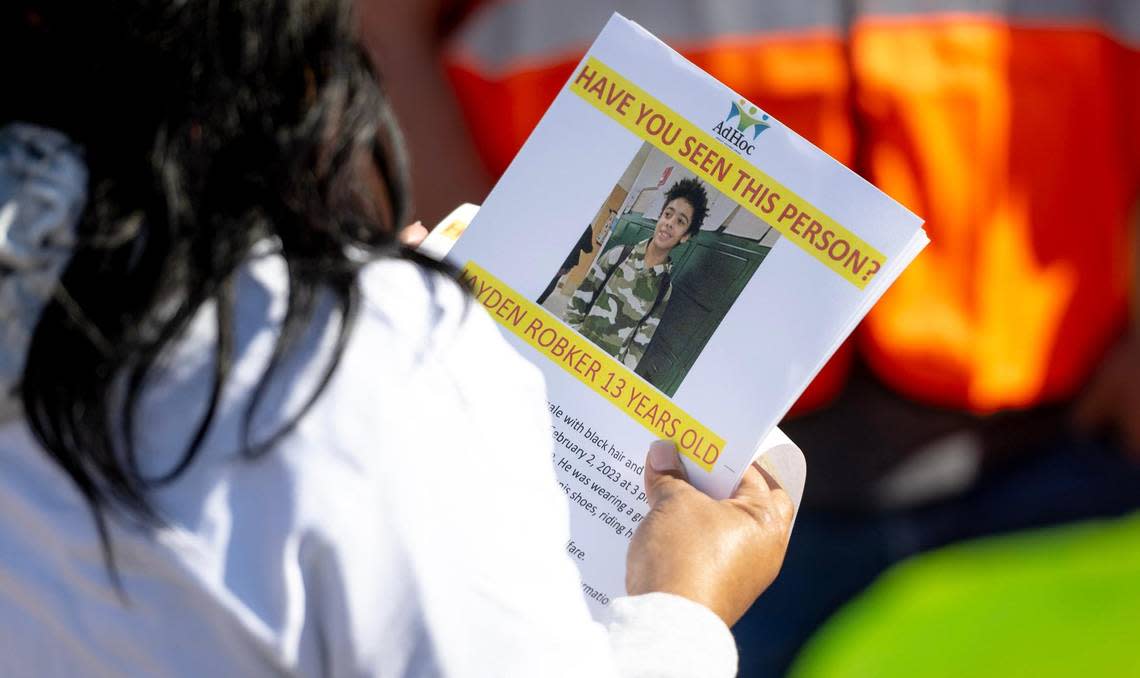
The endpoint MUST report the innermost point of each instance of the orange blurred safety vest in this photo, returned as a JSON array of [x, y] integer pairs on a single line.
[[1012, 127]]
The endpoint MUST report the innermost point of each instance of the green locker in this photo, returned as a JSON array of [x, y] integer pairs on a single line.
[[709, 272]]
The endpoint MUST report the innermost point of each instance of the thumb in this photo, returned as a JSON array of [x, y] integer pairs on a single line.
[[413, 234], [664, 473]]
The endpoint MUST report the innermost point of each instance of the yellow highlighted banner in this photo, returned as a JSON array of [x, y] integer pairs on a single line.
[[711, 158], [593, 367]]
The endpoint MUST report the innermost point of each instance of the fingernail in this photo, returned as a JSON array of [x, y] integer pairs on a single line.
[[663, 456]]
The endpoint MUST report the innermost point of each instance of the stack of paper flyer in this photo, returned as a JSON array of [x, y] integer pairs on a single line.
[[679, 265]]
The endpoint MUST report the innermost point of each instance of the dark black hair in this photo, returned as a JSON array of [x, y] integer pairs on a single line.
[[692, 192], [207, 127]]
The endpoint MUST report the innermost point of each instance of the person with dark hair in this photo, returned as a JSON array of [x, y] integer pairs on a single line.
[[621, 301], [242, 428]]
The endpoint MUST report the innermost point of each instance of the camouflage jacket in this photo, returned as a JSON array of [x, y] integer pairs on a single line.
[[620, 318]]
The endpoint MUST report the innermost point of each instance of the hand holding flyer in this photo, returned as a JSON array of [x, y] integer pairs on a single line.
[[724, 568], [678, 265]]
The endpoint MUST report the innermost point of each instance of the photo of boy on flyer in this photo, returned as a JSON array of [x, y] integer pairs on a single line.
[[620, 303]]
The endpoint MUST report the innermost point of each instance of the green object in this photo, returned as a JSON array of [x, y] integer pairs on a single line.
[[619, 304], [1057, 602], [709, 273]]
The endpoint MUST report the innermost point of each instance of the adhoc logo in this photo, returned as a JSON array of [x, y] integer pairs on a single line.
[[742, 127]]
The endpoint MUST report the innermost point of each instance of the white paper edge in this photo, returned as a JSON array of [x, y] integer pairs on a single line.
[[441, 239], [781, 457]]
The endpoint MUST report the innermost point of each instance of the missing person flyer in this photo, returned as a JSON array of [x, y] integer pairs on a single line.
[[679, 265]]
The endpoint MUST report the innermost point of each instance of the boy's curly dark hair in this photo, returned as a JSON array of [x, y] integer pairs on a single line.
[[694, 193]]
